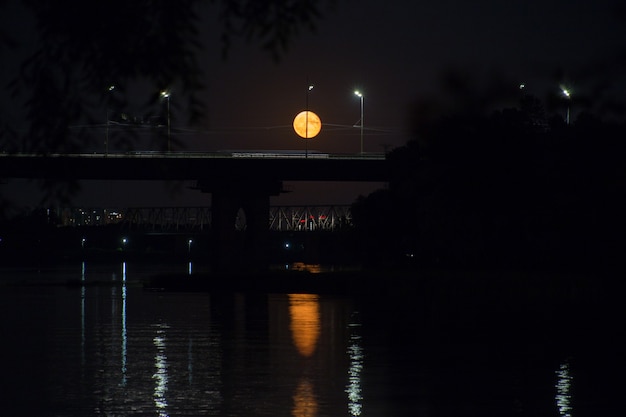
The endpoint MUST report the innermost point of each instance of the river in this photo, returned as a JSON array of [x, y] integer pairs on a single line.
[[89, 340]]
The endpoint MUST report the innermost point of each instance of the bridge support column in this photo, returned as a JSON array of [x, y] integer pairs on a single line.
[[244, 250]]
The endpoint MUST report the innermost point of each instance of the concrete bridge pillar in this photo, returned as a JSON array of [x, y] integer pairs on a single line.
[[247, 249]]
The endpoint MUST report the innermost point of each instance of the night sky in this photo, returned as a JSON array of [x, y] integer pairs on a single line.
[[395, 53]]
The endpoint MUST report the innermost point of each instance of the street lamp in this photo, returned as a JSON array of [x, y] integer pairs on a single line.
[[166, 95], [567, 94], [360, 95], [306, 122], [106, 139]]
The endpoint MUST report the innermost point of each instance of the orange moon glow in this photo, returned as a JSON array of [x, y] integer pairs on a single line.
[[304, 312], [307, 124]]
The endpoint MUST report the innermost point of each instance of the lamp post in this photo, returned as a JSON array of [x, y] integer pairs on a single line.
[[306, 121], [568, 96], [106, 138], [360, 95], [166, 95]]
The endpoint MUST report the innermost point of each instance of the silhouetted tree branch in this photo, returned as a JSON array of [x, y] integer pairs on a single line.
[[80, 49]]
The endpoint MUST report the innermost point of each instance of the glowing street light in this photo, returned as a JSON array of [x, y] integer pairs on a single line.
[[306, 107], [106, 139], [567, 94], [360, 95], [166, 95], [306, 123]]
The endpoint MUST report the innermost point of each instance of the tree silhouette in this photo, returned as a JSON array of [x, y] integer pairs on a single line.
[[74, 51], [503, 189]]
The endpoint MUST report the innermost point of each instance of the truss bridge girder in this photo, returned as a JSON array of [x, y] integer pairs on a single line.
[[175, 219], [309, 218], [168, 218]]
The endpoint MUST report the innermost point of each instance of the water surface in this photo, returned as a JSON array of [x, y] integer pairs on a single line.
[[85, 340]]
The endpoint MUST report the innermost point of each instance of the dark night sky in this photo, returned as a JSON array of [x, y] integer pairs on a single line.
[[395, 53]]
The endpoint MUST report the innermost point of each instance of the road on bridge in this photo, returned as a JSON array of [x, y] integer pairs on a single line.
[[197, 166]]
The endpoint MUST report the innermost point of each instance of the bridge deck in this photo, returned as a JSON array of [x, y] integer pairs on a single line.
[[244, 166]]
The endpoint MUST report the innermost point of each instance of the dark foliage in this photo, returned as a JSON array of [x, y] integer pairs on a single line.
[[503, 190], [76, 50]]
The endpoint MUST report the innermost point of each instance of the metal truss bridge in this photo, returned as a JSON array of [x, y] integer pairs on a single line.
[[182, 219]]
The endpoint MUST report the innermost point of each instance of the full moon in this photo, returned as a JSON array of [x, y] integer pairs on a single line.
[[307, 124]]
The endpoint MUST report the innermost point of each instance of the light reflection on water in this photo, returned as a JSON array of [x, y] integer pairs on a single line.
[[160, 375], [304, 322], [563, 390], [306, 355], [355, 353]]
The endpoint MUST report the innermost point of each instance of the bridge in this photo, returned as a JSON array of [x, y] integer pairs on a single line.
[[238, 181], [204, 166], [293, 218]]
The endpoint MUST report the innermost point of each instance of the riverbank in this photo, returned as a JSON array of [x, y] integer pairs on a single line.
[[493, 286]]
